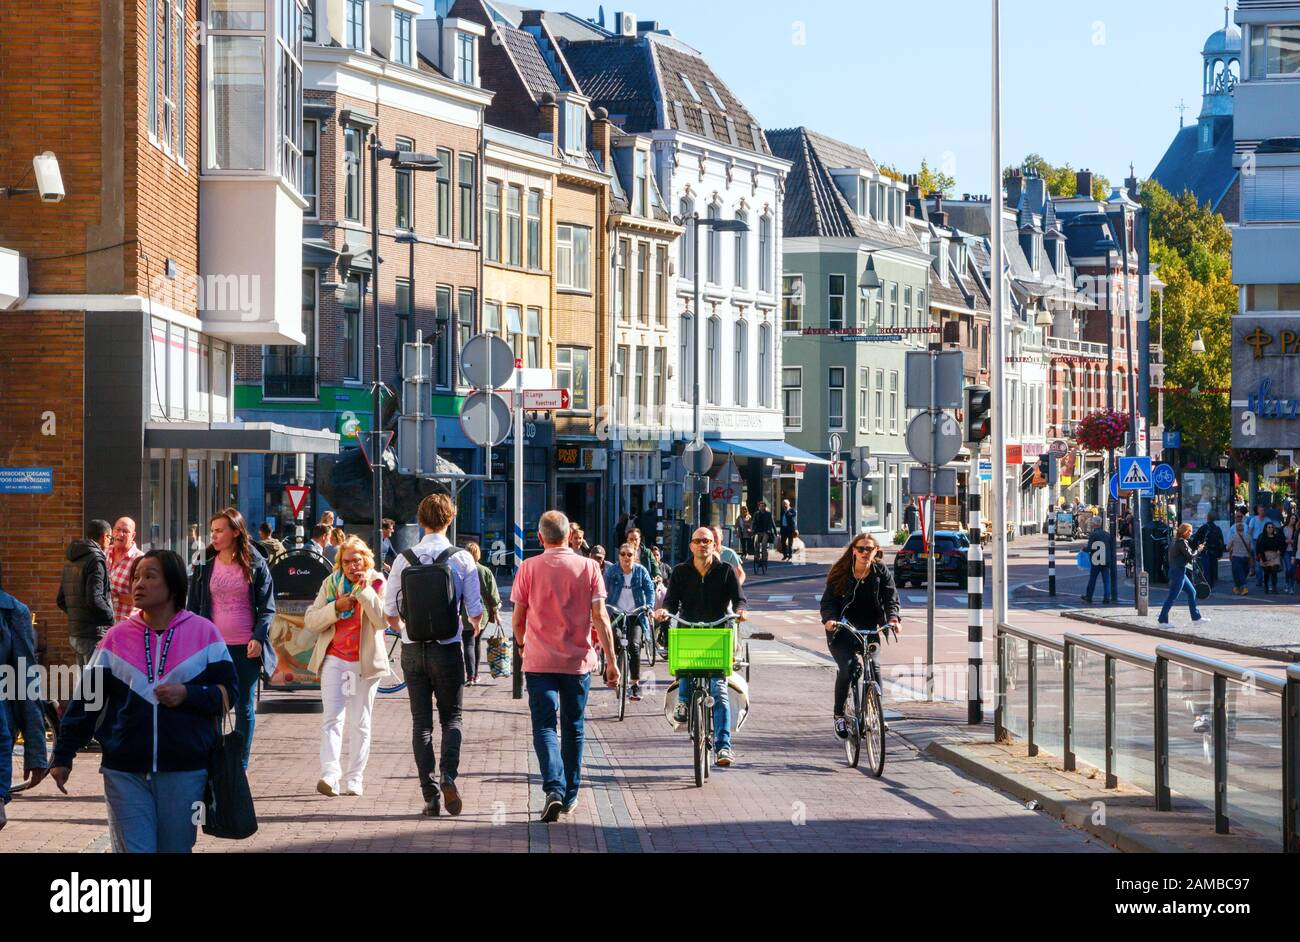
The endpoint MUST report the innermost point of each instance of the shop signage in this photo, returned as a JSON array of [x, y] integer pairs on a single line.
[[1265, 381], [574, 458], [1015, 454], [26, 480]]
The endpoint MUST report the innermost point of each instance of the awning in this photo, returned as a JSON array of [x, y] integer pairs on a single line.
[[267, 438], [763, 448]]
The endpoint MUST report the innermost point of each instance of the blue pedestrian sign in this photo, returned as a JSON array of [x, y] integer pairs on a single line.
[[1135, 474], [1163, 477], [1114, 487]]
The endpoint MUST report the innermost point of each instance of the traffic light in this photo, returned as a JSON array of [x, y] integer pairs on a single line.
[[979, 401], [1041, 472]]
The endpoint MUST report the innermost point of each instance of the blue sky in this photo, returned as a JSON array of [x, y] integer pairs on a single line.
[[1095, 83]]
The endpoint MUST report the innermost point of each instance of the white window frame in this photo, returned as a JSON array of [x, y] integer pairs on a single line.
[[880, 402], [765, 371], [794, 281], [354, 20], [741, 261], [864, 400], [466, 53], [765, 253], [834, 392], [831, 297], [643, 283], [793, 423], [893, 402], [573, 258], [713, 356], [403, 46], [740, 364]]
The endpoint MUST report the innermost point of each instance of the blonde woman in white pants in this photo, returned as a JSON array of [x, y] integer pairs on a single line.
[[349, 657]]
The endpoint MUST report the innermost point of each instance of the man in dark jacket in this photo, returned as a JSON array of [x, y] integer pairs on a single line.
[[18, 712], [789, 523], [1210, 538], [84, 593], [764, 529], [1101, 546]]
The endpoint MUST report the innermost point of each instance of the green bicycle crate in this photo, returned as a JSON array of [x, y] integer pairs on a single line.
[[699, 649]]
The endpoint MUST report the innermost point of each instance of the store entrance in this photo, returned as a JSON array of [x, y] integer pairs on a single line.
[[580, 501]]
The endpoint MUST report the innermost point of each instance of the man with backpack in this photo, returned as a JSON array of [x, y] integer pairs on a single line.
[[426, 587]]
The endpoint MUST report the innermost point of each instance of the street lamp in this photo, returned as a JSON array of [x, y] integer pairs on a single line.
[[870, 285], [401, 160], [1198, 345], [717, 225], [49, 181]]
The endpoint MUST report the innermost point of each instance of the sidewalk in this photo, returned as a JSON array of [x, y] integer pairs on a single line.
[[1257, 631]]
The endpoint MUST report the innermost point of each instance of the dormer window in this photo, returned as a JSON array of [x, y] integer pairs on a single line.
[[640, 184], [402, 48], [466, 73], [695, 96], [575, 127], [354, 34]]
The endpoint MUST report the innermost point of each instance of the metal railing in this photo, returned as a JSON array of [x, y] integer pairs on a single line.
[[1259, 779], [289, 375]]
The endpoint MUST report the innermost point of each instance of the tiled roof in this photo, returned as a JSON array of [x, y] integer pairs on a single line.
[[948, 294], [814, 205], [1209, 174], [619, 77], [732, 124], [522, 48]]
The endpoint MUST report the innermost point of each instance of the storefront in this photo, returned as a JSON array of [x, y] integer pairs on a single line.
[[580, 486]]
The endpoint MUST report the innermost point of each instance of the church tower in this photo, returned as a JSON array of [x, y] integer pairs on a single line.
[[1221, 73]]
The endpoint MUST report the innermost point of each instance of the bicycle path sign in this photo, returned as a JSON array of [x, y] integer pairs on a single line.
[[1135, 474]]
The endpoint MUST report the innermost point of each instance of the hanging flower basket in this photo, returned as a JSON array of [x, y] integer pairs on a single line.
[[1102, 431]]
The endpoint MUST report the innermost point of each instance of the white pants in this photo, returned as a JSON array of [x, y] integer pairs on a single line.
[[345, 693]]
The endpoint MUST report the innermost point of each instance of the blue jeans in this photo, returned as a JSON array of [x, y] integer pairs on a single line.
[[1182, 584], [1104, 572], [562, 698], [721, 708], [6, 754], [1240, 571], [154, 812], [248, 670]]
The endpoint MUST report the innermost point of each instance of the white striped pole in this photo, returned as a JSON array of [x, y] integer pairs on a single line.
[[975, 611], [1051, 551]]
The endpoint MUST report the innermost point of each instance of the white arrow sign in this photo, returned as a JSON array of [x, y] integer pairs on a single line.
[[545, 399]]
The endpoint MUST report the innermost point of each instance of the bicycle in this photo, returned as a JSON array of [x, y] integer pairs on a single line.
[[867, 721], [759, 562], [393, 681], [699, 708], [618, 622]]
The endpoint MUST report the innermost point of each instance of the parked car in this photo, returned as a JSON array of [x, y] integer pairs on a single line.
[[950, 547]]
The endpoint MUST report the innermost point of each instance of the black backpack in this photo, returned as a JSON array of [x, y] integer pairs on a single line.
[[427, 597]]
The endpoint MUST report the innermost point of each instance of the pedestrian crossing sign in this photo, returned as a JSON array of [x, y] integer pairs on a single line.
[[1135, 474]]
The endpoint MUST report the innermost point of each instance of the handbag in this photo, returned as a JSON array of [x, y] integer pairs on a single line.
[[500, 651], [1199, 582], [227, 799]]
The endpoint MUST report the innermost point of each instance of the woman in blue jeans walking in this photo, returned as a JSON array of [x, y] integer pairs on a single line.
[[1181, 555], [1241, 550]]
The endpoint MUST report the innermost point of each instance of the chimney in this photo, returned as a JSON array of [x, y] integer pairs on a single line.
[[548, 119], [1015, 188], [602, 130], [939, 217], [1083, 184]]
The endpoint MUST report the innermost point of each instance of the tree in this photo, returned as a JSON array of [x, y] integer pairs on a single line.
[[927, 178], [1061, 181], [1192, 250]]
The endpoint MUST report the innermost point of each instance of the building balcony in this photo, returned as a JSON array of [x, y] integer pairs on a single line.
[[1060, 346], [1266, 109], [1266, 254], [288, 375]]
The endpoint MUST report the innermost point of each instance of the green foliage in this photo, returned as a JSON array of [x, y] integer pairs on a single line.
[[1192, 250], [1061, 181], [927, 178], [901, 536]]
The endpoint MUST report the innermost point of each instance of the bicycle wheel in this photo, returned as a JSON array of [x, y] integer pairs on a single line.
[[393, 681], [748, 662], [853, 745], [648, 644], [697, 737], [622, 681], [873, 729]]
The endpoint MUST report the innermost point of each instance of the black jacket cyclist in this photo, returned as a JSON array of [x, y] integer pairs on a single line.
[[859, 590]]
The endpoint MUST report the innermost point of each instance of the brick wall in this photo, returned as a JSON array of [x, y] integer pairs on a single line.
[[581, 319], [41, 370]]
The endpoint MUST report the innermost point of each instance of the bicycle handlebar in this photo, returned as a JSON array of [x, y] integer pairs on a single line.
[[882, 631], [703, 624]]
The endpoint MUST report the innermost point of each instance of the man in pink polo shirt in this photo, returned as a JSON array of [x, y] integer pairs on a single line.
[[557, 598]]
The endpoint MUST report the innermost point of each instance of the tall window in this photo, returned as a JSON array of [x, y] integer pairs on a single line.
[[464, 324], [661, 285], [514, 225], [643, 283], [742, 252], [515, 327], [288, 93], [151, 56], [1274, 51], [354, 34], [575, 127], [640, 385], [573, 257], [405, 190], [686, 357], [352, 331], [444, 193], [535, 229], [166, 54], [907, 305], [765, 253], [893, 402], [236, 119], [309, 21], [620, 385], [715, 249], [740, 366], [880, 400], [310, 167], [492, 221], [792, 303], [893, 305], [353, 173], [659, 390], [402, 39], [765, 366], [620, 280], [465, 58], [792, 396], [443, 332], [466, 181], [533, 335], [686, 246], [402, 307], [835, 302], [640, 184], [571, 373], [864, 395], [835, 398], [713, 355]]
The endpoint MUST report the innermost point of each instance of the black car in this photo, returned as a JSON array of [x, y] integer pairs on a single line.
[[950, 547]]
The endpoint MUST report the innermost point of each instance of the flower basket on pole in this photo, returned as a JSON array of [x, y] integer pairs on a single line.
[[1102, 431]]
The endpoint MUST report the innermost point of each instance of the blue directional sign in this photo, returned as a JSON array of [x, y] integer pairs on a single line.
[[1135, 474], [1114, 487], [1173, 439], [1163, 477]]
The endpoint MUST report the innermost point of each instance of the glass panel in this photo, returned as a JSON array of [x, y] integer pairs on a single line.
[[238, 114], [237, 14], [152, 533], [174, 516], [1090, 707], [1255, 761], [197, 356], [176, 372], [1191, 753], [1050, 700], [196, 528], [1016, 708], [158, 369], [1135, 726], [220, 382]]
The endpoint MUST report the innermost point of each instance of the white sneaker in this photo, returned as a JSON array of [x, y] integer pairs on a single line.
[[353, 788], [328, 787]]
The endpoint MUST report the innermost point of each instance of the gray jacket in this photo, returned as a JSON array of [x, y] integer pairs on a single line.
[[1180, 555]]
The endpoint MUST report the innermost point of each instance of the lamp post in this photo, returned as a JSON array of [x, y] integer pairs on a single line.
[[869, 287], [401, 160], [409, 239], [717, 225]]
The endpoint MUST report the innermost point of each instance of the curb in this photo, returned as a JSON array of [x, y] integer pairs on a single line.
[[1248, 650]]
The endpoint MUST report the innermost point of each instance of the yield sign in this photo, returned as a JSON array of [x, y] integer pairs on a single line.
[[1135, 474], [297, 497]]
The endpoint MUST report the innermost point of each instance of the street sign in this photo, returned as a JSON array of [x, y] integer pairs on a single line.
[[297, 494], [799, 469], [836, 444], [837, 472], [986, 470], [1015, 455], [487, 360], [1135, 474], [1173, 439], [539, 400], [697, 456], [1163, 477], [1058, 448], [375, 460], [943, 483], [485, 418], [948, 381], [931, 442]]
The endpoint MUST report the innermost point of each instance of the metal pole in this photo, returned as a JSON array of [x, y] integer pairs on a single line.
[[930, 564], [998, 384], [1112, 506], [1051, 549], [1220, 754], [1141, 598], [696, 499], [975, 610], [1067, 707], [519, 464], [1161, 693], [376, 400], [1031, 721], [1112, 780]]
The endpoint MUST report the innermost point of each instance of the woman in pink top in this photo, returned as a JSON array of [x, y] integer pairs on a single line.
[[232, 588]]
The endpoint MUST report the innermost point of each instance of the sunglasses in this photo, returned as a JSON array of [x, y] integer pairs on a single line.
[[703, 542], [626, 555], [864, 549]]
